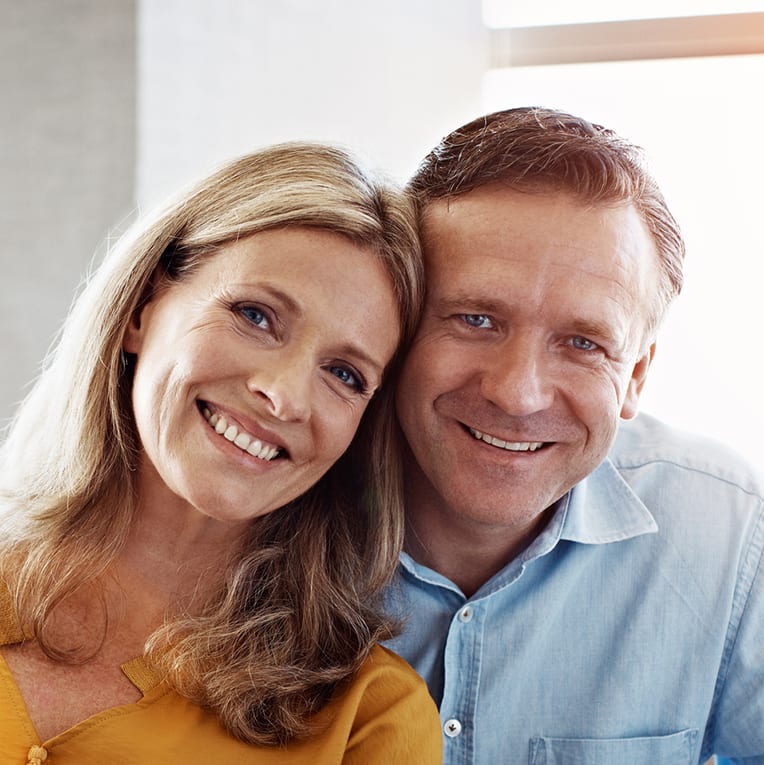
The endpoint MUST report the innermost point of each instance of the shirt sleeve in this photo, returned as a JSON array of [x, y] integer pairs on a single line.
[[738, 722], [396, 721]]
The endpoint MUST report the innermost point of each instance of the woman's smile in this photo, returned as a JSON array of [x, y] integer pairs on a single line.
[[239, 437], [274, 346]]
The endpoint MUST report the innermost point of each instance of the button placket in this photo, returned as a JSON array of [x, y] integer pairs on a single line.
[[461, 680], [452, 727], [465, 615]]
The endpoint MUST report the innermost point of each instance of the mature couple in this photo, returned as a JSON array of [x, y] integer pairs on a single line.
[[192, 517]]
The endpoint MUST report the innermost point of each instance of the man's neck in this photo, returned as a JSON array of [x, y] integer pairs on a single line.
[[465, 551]]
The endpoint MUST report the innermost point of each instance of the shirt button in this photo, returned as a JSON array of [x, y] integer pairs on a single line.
[[452, 727], [465, 615]]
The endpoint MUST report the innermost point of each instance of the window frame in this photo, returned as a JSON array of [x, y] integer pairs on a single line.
[[686, 36]]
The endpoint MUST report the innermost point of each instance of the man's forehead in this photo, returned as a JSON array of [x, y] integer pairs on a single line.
[[486, 239], [552, 218]]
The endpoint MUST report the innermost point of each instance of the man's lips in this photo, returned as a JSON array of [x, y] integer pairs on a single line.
[[500, 443]]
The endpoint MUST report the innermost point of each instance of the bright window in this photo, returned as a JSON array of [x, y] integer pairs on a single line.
[[528, 13]]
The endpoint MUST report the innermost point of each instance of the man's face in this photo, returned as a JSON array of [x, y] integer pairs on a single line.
[[530, 349]]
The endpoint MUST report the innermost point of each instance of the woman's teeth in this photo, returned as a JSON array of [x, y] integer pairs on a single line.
[[244, 441]]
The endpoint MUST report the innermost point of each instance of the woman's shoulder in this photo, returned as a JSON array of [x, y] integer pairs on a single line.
[[394, 718], [383, 666]]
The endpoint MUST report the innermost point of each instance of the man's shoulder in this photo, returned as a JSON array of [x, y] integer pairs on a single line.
[[647, 446]]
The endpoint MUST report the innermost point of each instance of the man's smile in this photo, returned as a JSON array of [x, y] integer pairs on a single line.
[[511, 446]]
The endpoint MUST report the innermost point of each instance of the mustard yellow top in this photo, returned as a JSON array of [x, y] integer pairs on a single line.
[[384, 717]]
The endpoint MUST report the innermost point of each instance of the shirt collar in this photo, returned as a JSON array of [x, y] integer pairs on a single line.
[[600, 509]]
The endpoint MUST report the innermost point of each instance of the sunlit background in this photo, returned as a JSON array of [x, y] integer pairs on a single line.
[[112, 104], [700, 118]]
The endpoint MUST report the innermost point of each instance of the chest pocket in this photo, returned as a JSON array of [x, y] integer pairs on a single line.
[[676, 749]]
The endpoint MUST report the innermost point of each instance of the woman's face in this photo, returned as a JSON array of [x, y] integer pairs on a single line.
[[252, 373]]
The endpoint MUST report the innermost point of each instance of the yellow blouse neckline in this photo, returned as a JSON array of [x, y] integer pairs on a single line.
[[137, 670]]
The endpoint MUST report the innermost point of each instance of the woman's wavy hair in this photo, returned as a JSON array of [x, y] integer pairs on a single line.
[[300, 609], [535, 149]]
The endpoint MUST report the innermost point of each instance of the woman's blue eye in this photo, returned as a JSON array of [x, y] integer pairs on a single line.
[[255, 316], [347, 377]]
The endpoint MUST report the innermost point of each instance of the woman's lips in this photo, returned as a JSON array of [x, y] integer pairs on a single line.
[[239, 437]]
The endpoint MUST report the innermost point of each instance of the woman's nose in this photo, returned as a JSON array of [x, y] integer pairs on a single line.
[[285, 383]]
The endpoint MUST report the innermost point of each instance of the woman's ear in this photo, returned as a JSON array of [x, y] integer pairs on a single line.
[[133, 338]]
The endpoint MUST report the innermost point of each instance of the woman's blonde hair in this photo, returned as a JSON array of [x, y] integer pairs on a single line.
[[299, 611]]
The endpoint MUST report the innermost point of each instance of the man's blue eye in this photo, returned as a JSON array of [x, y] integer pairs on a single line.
[[582, 344], [479, 320]]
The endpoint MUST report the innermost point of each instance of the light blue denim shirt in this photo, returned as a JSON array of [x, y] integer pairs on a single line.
[[631, 631]]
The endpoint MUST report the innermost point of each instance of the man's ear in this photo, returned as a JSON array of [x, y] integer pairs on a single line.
[[637, 383]]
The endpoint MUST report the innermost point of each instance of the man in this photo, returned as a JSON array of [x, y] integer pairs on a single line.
[[576, 590]]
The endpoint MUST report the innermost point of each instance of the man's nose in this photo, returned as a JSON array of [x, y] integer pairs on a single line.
[[519, 378]]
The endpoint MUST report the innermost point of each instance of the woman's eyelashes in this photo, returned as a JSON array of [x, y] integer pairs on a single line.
[[265, 320], [256, 316], [349, 377]]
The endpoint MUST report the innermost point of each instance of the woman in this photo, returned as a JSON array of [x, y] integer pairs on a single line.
[[194, 542]]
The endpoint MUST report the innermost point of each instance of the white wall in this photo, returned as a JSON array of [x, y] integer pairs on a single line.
[[67, 121], [221, 78], [106, 102]]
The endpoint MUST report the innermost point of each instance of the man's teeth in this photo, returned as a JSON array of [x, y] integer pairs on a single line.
[[243, 440], [512, 446]]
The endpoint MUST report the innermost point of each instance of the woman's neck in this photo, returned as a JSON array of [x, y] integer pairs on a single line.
[[176, 555]]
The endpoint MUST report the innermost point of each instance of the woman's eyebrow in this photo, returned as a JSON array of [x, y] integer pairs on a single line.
[[355, 351], [283, 297]]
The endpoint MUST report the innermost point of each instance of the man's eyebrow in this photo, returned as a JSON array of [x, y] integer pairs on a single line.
[[587, 327], [466, 301]]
